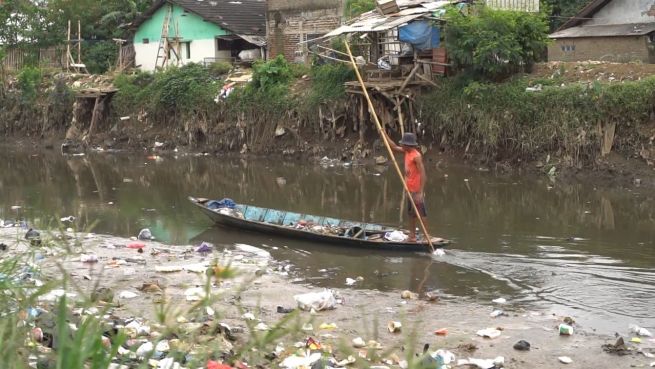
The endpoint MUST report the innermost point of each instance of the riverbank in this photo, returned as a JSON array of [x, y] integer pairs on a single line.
[[565, 120], [169, 276]]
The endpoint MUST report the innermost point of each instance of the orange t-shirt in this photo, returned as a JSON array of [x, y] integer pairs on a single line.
[[412, 173]]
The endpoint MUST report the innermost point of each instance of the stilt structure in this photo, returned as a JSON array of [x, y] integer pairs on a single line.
[[71, 64], [120, 63], [168, 45]]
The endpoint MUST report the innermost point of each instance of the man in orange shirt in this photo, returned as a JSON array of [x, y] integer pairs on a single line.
[[414, 176]]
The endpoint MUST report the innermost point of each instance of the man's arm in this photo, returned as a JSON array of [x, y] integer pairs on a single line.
[[392, 144], [419, 164]]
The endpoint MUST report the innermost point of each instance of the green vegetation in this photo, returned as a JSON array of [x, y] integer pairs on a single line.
[[495, 44], [29, 79], [175, 91], [354, 8], [219, 69], [504, 121], [328, 83]]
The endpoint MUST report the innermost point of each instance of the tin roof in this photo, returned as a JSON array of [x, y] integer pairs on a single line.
[[374, 21], [606, 30], [244, 17]]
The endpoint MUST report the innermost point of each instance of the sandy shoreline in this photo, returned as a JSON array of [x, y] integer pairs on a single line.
[[263, 284]]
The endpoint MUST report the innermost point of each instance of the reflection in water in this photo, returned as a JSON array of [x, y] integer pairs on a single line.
[[580, 249]]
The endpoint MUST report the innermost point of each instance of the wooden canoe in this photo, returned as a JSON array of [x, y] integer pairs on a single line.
[[317, 228]]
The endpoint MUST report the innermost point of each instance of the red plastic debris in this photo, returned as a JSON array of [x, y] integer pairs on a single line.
[[216, 365], [136, 245]]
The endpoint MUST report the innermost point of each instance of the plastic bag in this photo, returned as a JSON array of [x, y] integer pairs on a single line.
[[318, 301]]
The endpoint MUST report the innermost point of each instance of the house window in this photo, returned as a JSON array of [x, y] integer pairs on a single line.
[[185, 51], [146, 40]]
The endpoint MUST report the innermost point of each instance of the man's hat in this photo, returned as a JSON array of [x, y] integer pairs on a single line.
[[409, 139]]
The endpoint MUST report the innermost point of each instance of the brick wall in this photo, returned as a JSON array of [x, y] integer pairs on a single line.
[[614, 49], [291, 21]]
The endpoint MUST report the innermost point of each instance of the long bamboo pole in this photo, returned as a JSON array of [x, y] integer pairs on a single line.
[[386, 143]]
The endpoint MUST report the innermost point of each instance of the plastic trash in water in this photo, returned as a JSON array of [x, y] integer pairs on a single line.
[[489, 333], [145, 235], [565, 330], [443, 358], [639, 331], [126, 295], [358, 342], [317, 301], [394, 327], [499, 301], [205, 248], [496, 313], [565, 359]]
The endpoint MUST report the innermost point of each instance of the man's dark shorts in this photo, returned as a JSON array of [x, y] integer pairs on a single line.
[[420, 205]]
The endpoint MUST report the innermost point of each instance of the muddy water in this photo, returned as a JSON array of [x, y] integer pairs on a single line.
[[573, 249]]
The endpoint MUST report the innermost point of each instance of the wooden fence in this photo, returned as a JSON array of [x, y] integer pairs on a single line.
[[52, 57]]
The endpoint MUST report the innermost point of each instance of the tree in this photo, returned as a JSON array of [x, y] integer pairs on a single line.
[[355, 8], [493, 44], [563, 10]]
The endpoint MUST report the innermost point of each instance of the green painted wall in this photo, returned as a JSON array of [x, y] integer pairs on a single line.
[[190, 26]]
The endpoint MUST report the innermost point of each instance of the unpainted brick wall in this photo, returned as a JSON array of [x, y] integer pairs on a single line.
[[289, 21], [620, 49]]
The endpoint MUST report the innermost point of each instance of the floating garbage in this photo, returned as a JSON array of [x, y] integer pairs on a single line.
[[328, 326], [248, 316], [205, 248], [195, 294], [358, 342], [441, 332], [297, 362], [565, 360], [68, 219], [499, 301], [253, 250], [145, 235], [497, 313], [317, 301], [126, 295], [565, 330], [489, 333], [89, 259], [639, 331], [394, 327], [136, 245], [145, 349], [483, 363]]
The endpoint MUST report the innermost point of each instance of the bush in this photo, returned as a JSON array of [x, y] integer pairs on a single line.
[[29, 79], [503, 120], [100, 56], [270, 74], [494, 44], [219, 69], [328, 82]]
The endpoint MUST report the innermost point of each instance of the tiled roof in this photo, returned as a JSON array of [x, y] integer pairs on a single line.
[[246, 17]]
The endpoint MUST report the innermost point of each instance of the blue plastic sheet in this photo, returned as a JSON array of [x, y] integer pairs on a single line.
[[420, 34], [219, 204]]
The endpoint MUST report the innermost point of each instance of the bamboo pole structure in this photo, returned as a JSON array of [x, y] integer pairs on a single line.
[[386, 144]]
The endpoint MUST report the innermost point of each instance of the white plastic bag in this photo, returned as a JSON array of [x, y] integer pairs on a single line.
[[318, 301]]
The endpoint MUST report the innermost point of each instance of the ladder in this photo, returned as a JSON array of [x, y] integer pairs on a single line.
[[164, 42]]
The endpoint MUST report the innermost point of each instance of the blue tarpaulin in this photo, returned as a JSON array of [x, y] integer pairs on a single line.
[[421, 34]]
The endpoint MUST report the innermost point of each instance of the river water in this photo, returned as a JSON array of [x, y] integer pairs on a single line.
[[572, 249]]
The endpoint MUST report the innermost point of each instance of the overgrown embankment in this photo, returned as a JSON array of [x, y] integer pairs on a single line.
[[533, 119], [544, 118]]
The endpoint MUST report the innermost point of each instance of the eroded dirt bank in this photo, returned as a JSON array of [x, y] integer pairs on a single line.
[[168, 275]]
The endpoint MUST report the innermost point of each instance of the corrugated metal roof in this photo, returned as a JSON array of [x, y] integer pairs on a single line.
[[609, 30], [373, 21], [246, 17]]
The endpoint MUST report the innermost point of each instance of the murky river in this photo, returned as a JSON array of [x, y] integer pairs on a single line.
[[573, 249]]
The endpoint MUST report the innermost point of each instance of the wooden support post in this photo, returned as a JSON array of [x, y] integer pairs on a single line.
[[79, 42], [399, 106], [94, 117], [68, 48], [409, 78]]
